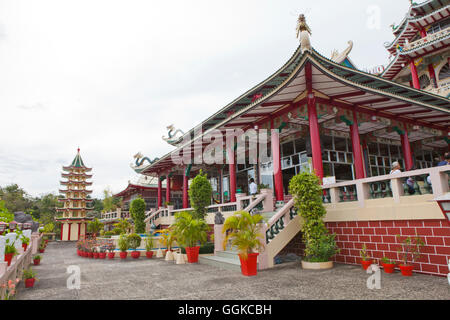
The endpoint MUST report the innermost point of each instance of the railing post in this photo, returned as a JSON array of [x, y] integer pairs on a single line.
[[334, 195], [263, 257], [218, 238], [397, 189], [362, 192], [239, 201], [439, 181]]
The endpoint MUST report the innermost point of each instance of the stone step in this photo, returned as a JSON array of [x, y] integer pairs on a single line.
[[229, 254], [221, 262]]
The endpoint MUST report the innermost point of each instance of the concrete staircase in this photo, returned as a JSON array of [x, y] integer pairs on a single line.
[[228, 260]]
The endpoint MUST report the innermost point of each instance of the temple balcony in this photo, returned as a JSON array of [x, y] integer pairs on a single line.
[[430, 38]]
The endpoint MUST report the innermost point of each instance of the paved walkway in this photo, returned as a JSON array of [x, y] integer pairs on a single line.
[[158, 279]]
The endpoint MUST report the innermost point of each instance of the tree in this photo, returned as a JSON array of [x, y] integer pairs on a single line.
[[95, 226], [5, 215], [122, 226], [189, 231], [16, 199], [109, 202], [200, 192], [137, 211]]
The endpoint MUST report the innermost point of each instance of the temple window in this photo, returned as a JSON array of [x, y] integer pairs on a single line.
[[424, 81], [444, 73]]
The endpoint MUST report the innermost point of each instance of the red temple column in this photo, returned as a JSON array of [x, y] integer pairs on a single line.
[[432, 74], [159, 192], [406, 148], [62, 230], [68, 235], [276, 160], [414, 75], [79, 230], [232, 171], [356, 145], [315, 137], [185, 191], [167, 188]]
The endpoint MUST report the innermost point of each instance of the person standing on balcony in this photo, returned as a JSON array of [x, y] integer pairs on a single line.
[[409, 182], [446, 160], [252, 187], [395, 167]]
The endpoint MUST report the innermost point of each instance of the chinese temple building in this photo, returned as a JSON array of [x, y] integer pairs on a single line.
[[349, 127], [73, 217], [420, 51]]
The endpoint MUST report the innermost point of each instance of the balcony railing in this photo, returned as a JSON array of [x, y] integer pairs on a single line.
[[429, 38]]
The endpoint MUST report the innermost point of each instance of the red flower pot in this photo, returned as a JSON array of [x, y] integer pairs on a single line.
[[36, 262], [111, 255], [41, 250], [46, 241], [95, 255], [192, 254], [406, 270], [135, 254], [83, 254], [90, 255], [8, 258], [123, 254], [366, 264], [24, 246], [149, 254], [102, 255], [388, 267], [249, 265], [29, 283]]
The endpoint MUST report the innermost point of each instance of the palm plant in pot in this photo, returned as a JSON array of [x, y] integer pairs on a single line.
[[25, 242], [190, 233], [410, 252], [167, 239], [320, 245], [388, 265], [134, 241], [123, 246], [10, 251], [37, 260], [149, 246], [111, 247], [30, 277], [243, 229], [366, 260]]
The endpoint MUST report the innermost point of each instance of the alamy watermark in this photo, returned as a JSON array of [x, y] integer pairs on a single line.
[[74, 280]]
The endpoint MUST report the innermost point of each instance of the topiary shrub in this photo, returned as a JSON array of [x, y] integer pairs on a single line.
[[200, 193], [134, 241], [137, 211], [320, 245]]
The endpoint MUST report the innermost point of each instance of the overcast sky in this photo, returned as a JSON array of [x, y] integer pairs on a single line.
[[109, 76]]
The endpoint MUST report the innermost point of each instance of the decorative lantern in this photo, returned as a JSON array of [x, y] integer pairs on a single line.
[[444, 204], [26, 226], [12, 225]]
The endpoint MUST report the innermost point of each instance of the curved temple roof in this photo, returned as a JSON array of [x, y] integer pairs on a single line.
[[333, 84]]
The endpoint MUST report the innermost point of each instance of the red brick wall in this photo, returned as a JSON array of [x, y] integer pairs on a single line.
[[296, 245], [380, 239]]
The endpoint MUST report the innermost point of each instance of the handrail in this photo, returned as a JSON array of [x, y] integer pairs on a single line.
[[285, 209], [254, 203]]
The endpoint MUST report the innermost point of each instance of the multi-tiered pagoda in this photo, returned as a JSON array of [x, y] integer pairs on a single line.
[[73, 219]]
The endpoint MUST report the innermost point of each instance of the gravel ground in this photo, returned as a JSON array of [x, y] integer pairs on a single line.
[[158, 279]]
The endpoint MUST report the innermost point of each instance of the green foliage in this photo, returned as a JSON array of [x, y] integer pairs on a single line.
[[5, 215], [200, 193], [149, 242], [262, 186], [168, 237], [123, 242], [134, 241], [24, 239], [49, 227], [28, 273], [190, 231], [307, 193], [16, 199], [363, 253], [411, 247], [94, 226], [109, 202], [137, 211], [10, 248], [122, 226], [386, 260], [243, 230], [37, 257]]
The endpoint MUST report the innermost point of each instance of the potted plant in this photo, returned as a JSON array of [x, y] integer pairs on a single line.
[[123, 246], [10, 251], [30, 277], [95, 253], [37, 260], [410, 248], [102, 252], [264, 188], [320, 245], [243, 230], [42, 247], [134, 241], [191, 233], [25, 242], [388, 265], [149, 246], [366, 260], [111, 247], [10, 289]]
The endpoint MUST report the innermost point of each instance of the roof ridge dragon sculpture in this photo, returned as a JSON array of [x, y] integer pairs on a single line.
[[172, 133]]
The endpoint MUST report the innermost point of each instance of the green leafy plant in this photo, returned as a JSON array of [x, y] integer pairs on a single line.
[[37, 257], [49, 227], [262, 186], [137, 211], [25, 239], [411, 247], [95, 226], [134, 241], [320, 245], [364, 254], [200, 193], [28, 273], [10, 247], [122, 226], [149, 242], [123, 242], [190, 231], [244, 231], [386, 260], [168, 237]]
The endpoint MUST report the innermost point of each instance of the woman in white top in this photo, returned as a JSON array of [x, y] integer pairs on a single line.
[[395, 167]]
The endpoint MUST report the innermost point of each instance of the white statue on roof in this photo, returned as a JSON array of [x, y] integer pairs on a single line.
[[340, 57], [303, 33]]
